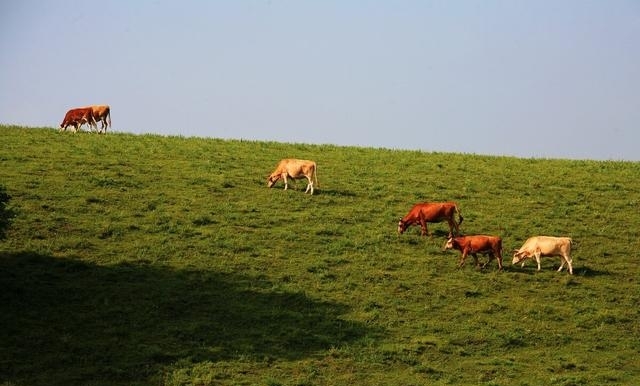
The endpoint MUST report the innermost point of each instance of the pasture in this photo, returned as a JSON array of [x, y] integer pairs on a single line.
[[150, 260]]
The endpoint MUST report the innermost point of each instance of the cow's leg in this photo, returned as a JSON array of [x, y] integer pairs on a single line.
[[491, 256], [93, 125], [567, 259], [476, 261], [462, 258], [537, 256], [499, 258], [309, 185], [452, 226], [286, 184], [424, 230]]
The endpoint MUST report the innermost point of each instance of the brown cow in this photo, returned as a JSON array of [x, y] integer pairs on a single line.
[[472, 245], [294, 168], [433, 212], [539, 246], [77, 117], [101, 113]]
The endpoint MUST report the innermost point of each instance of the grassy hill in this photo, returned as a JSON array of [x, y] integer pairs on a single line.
[[150, 260]]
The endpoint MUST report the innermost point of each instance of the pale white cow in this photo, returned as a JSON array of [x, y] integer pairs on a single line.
[[294, 168], [538, 246]]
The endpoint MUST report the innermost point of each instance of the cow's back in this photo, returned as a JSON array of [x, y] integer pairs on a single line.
[[297, 167], [531, 244], [435, 210], [486, 242], [552, 245], [547, 244], [76, 115], [100, 111]]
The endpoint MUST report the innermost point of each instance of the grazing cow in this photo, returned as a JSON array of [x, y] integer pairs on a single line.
[[539, 246], [433, 212], [294, 168], [472, 245], [76, 118], [101, 113]]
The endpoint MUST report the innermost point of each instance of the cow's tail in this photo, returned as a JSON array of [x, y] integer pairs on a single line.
[[108, 117], [460, 218]]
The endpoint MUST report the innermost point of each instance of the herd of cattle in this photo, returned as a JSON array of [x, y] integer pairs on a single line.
[[421, 214], [90, 115], [435, 212]]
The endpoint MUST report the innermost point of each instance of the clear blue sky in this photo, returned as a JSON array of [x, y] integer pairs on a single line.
[[538, 78]]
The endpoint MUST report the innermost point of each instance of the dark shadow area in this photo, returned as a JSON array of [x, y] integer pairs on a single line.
[[337, 193], [531, 268], [583, 270], [440, 232], [413, 236], [64, 321], [6, 215]]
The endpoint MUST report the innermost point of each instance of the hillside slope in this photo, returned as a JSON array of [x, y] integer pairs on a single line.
[[142, 259]]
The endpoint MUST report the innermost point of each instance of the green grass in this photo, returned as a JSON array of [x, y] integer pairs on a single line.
[[149, 260]]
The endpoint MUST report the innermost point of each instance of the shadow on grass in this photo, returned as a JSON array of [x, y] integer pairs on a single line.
[[531, 268], [435, 233], [584, 270], [63, 321], [6, 214], [338, 193]]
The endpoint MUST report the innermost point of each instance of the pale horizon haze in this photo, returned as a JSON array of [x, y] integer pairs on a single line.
[[541, 79]]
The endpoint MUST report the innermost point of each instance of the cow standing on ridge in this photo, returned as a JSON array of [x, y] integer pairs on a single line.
[[433, 212], [296, 169], [101, 113], [77, 117]]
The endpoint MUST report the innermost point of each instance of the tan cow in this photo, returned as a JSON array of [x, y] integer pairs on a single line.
[[76, 118], [296, 169], [101, 113], [539, 246]]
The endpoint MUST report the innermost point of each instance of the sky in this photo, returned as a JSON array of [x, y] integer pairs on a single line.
[[537, 78]]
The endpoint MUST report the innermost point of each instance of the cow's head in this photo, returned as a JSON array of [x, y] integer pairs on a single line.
[[272, 179], [448, 244], [402, 226], [519, 256]]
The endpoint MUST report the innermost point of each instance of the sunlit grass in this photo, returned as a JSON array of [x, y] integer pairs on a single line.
[[142, 259]]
